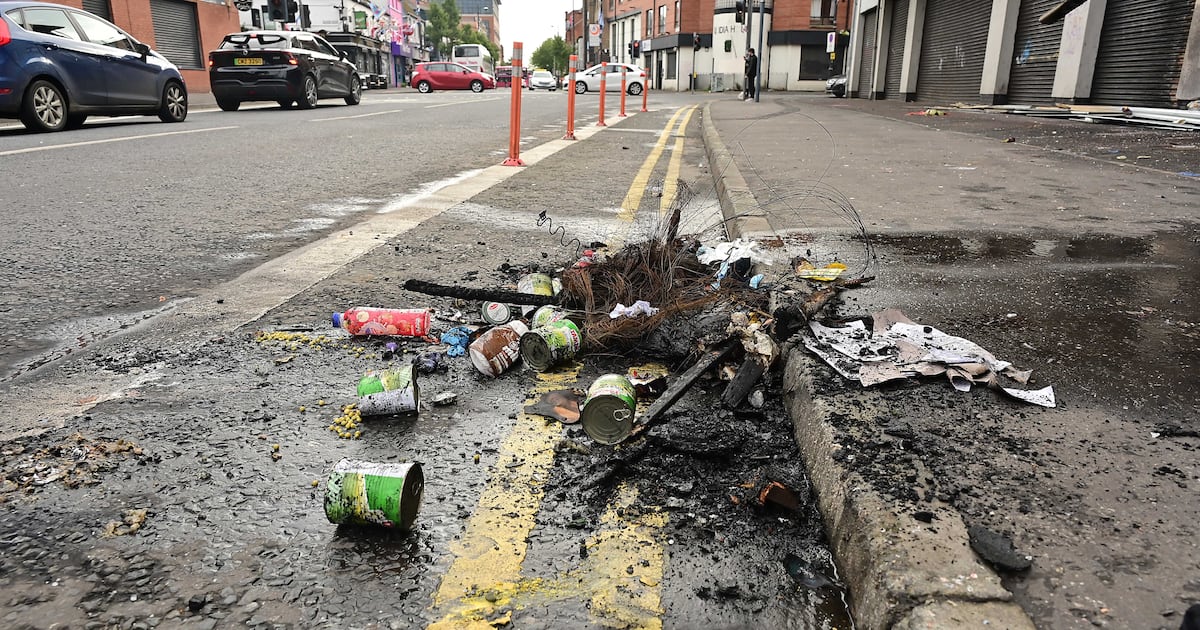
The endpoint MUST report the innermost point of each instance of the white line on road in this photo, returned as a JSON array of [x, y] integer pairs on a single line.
[[390, 111], [108, 140], [482, 100]]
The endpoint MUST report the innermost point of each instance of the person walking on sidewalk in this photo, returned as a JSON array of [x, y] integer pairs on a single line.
[[751, 72]]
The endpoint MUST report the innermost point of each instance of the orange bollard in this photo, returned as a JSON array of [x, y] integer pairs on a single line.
[[645, 89], [514, 111], [623, 70], [571, 102], [603, 89]]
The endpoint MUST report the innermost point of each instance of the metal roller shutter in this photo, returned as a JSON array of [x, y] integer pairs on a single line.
[[952, 50], [867, 66], [1141, 52], [98, 7], [176, 35], [895, 58], [1035, 54]]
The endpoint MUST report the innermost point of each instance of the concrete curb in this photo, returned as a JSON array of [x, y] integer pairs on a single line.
[[903, 574], [744, 218]]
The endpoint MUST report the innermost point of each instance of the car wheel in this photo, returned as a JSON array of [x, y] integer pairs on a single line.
[[75, 121], [477, 86], [44, 107], [424, 87], [228, 105], [285, 104], [355, 96], [308, 95], [174, 106], [634, 89], [580, 87]]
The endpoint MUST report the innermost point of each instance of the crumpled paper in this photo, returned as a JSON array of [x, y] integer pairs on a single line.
[[898, 348], [640, 307]]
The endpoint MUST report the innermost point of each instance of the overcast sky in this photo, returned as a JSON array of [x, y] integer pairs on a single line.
[[532, 22]]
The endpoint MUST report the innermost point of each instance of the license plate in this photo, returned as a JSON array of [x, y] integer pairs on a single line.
[[248, 61]]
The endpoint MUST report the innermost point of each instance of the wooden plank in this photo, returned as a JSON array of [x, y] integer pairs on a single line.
[[684, 383]]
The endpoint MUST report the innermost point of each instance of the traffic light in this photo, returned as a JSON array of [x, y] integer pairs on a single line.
[[695, 41], [739, 14], [292, 8], [636, 47], [276, 11], [629, 48]]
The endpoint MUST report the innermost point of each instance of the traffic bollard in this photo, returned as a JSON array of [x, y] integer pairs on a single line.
[[514, 116], [645, 88], [603, 89], [571, 101], [623, 70]]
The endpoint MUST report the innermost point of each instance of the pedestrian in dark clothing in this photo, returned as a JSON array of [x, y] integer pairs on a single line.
[[751, 73]]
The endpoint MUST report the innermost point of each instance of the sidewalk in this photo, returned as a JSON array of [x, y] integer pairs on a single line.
[[902, 472]]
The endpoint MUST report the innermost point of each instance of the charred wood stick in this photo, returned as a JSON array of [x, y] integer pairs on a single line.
[[684, 383], [483, 295], [747, 376]]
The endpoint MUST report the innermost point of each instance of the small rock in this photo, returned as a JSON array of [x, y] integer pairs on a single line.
[[196, 602], [997, 549]]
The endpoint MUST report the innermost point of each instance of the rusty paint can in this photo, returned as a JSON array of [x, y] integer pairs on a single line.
[[498, 348], [547, 345], [545, 315], [496, 313], [368, 493], [389, 392], [608, 411]]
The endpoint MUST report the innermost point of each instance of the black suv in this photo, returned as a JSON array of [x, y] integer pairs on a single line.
[[280, 66]]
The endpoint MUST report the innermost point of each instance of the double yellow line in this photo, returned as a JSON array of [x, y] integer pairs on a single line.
[[624, 565]]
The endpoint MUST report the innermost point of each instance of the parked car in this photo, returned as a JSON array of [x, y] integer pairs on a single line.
[[544, 80], [59, 65], [280, 66], [589, 80], [447, 75], [836, 86]]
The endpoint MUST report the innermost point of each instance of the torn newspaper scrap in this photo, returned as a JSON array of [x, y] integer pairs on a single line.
[[898, 348]]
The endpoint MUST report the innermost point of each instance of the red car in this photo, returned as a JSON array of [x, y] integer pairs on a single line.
[[447, 75]]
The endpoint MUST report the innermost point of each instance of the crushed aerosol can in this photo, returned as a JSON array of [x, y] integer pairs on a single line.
[[389, 392], [545, 346], [608, 411], [368, 493], [496, 313], [498, 348]]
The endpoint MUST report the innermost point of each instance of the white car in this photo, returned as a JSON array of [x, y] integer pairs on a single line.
[[589, 80], [542, 80]]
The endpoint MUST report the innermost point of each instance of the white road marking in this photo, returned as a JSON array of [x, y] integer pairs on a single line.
[[482, 100], [106, 141], [390, 111]]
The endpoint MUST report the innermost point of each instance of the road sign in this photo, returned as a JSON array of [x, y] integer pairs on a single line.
[[830, 42], [594, 31]]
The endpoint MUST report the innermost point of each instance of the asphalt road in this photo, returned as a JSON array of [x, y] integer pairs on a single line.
[[522, 519]]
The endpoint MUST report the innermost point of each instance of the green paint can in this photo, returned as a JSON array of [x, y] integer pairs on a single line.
[[608, 411], [367, 493]]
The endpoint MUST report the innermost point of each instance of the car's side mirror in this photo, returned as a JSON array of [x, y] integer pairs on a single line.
[[141, 49]]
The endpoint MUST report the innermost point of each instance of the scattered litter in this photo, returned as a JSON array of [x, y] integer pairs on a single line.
[[389, 392], [828, 273], [430, 362], [899, 348], [363, 320], [130, 523], [640, 307], [545, 346], [997, 549], [368, 493], [1162, 118], [561, 404], [928, 112], [498, 348], [607, 412], [444, 399], [648, 381], [457, 338], [346, 425]]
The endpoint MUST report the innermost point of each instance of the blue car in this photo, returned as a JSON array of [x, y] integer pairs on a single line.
[[58, 65]]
